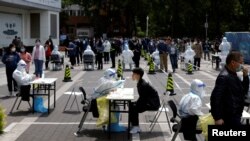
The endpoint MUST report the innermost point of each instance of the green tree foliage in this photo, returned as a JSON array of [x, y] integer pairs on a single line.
[[177, 18], [2, 119]]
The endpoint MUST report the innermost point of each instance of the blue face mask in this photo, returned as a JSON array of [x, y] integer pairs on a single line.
[[239, 68]]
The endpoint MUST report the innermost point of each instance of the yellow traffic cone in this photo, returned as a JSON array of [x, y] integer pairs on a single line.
[[119, 70], [67, 77], [151, 66], [170, 85], [190, 68]]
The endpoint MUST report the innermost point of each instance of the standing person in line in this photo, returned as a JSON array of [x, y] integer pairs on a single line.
[[137, 53], [25, 56], [173, 51], [106, 51], [229, 93], [72, 54], [198, 54], [10, 59], [112, 53], [99, 55], [38, 57], [48, 51], [163, 51], [148, 99]]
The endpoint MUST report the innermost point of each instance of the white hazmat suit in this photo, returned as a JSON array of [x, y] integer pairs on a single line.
[[21, 76], [225, 48], [57, 57], [156, 58], [107, 84], [189, 56], [88, 51], [23, 80], [191, 103], [127, 56]]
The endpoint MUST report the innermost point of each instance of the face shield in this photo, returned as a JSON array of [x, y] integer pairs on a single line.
[[109, 73], [21, 66], [198, 88]]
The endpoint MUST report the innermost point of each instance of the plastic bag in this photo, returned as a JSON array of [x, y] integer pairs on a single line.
[[203, 123], [103, 109], [38, 101]]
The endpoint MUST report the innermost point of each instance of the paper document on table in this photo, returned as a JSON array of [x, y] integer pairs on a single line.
[[122, 93]]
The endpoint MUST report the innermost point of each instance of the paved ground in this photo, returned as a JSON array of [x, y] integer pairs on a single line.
[[60, 125]]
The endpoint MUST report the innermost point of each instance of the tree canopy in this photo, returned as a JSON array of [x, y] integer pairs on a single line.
[[177, 18]]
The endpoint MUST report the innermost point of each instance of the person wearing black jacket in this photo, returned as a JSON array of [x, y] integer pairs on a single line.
[[229, 93], [10, 59], [148, 99]]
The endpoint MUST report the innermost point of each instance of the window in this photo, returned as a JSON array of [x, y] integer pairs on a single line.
[[53, 25], [35, 25]]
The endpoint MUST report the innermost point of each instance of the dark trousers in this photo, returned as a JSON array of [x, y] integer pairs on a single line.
[[173, 59], [10, 79], [25, 92], [72, 60], [99, 61], [197, 62], [47, 62], [188, 127], [106, 57], [136, 108], [112, 56], [79, 57]]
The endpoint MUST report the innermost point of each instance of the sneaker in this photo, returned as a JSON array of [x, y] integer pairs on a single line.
[[135, 129]]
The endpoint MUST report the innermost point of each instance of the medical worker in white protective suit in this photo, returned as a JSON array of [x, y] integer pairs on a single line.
[[191, 103], [189, 56], [127, 56], [225, 48], [88, 51], [156, 58], [106, 84], [190, 109], [55, 51], [23, 80]]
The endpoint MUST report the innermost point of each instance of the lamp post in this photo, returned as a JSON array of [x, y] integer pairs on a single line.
[[206, 25], [147, 26]]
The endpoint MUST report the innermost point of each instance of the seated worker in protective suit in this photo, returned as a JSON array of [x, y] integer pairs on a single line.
[[58, 57], [88, 51], [23, 79], [225, 48], [127, 56], [189, 56], [190, 109], [105, 85], [156, 58], [148, 100]]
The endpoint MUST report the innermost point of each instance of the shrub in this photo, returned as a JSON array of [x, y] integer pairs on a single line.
[[2, 119]]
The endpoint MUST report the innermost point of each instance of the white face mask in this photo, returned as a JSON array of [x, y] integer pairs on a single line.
[[13, 49], [37, 44]]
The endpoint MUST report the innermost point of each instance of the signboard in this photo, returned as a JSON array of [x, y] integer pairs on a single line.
[[10, 26], [52, 3], [240, 41]]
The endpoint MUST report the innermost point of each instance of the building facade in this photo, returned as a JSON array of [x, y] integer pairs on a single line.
[[29, 20]]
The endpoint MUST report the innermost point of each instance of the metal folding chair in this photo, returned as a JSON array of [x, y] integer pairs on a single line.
[[163, 108], [18, 95], [86, 109], [74, 94]]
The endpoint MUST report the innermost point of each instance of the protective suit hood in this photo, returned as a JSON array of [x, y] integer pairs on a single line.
[[88, 47], [224, 39], [198, 88], [55, 48], [126, 47], [109, 73], [21, 66]]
